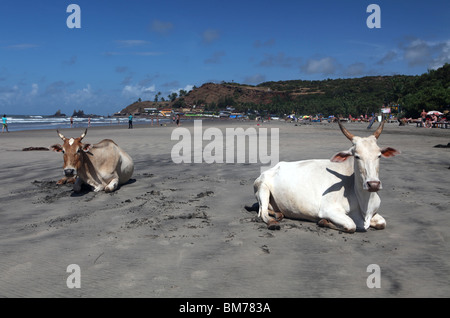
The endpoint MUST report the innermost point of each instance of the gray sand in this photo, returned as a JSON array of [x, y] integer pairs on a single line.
[[182, 230]]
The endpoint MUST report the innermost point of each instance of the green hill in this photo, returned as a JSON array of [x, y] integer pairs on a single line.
[[354, 96]]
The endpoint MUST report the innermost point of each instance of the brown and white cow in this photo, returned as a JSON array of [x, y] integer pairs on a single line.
[[103, 166]]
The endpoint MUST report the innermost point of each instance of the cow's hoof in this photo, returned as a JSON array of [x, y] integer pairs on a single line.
[[71, 180], [273, 225], [279, 216], [323, 223]]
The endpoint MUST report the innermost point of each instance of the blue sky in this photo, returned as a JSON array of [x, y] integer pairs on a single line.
[[133, 49]]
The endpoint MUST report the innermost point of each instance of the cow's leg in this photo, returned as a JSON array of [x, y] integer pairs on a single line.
[[277, 215], [62, 180], [71, 180], [337, 221], [378, 222], [77, 185], [97, 186], [65, 180], [262, 194], [112, 185]]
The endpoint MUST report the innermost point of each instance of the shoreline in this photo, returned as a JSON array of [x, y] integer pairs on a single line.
[[393, 128]]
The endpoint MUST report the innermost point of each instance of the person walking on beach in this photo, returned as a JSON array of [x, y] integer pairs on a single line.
[[178, 119], [4, 124], [423, 114], [130, 121], [71, 121]]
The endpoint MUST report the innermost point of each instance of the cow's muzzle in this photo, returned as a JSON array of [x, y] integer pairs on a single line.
[[69, 172], [373, 186]]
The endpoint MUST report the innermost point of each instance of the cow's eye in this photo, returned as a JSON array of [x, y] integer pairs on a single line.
[[379, 156], [357, 157]]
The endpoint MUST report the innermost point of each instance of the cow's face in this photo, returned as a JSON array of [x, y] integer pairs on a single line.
[[367, 156], [72, 149], [367, 161]]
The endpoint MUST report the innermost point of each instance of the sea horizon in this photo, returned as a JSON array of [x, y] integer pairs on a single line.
[[35, 122]]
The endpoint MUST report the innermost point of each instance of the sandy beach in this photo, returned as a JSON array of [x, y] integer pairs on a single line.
[[182, 230]]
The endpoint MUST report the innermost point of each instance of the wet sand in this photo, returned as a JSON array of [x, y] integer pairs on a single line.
[[182, 230]]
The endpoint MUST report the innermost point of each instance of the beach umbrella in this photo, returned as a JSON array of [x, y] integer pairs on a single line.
[[434, 112]]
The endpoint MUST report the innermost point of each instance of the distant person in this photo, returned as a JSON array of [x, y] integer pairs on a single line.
[[423, 114], [434, 119], [5, 124], [130, 121], [428, 121], [71, 121], [89, 122], [178, 119]]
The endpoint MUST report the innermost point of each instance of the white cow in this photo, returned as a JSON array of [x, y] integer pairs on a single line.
[[340, 193]]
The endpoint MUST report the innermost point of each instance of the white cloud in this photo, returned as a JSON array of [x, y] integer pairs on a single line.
[[8, 94], [137, 90], [432, 54], [187, 88], [79, 98], [356, 69], [325, 66], [442, 56], [388, 57], [34, 89], [417, 52]]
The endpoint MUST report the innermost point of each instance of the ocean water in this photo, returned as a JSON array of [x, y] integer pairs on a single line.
[[31, 122]]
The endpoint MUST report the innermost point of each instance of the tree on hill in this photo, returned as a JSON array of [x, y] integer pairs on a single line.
[[172, 96]]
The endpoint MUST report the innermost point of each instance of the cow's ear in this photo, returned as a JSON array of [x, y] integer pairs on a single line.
[[341, 156], [56, 148], [87, 147], [389, 152]]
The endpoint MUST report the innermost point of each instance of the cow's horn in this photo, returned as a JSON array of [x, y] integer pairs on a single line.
[[345, 131], [377, 132], [61, 135], [83, 134]]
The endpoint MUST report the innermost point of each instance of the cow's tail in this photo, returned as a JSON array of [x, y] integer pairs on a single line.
[[262, 193]]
